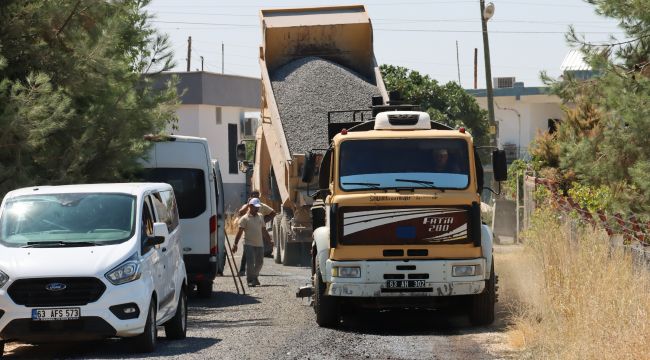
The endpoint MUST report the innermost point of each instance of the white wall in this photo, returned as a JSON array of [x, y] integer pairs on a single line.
[[520, 120], [200, 120]]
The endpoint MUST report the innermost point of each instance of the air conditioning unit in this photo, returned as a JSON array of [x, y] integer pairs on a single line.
[[248, 125], [503, 82]]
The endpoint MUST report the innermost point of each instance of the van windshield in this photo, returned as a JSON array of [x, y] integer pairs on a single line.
[[75, 219]]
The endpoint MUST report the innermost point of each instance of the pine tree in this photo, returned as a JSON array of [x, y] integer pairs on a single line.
[[74, 101], [605, 138]]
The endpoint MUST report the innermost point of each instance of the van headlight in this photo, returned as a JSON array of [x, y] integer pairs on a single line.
[[4, 278], [465, 270], [346, 271], [126, 272]]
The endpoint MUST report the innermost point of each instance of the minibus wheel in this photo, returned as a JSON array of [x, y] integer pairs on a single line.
[[176, 327], [146, 342]]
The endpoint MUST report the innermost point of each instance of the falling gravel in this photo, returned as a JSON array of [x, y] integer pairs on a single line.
[[306, 89]]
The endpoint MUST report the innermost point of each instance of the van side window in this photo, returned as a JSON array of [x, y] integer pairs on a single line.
[[165, 205], [147, 220]]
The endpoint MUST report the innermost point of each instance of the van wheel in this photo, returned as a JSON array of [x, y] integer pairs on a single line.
[[204, 289], [482, 312], [176, 327], [326, 307], [146, 342]]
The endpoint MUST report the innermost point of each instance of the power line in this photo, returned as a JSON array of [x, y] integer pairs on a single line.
[[397, 29]]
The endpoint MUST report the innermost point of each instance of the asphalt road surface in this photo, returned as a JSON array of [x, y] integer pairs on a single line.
[[269, 322]]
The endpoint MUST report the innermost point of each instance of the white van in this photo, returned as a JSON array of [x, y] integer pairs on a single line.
[[185, 163], [221, 217], [83, 262]]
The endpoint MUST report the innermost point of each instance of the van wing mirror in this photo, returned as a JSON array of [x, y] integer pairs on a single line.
[[160, 232], [499, 165], [241, 152], [308, 168]]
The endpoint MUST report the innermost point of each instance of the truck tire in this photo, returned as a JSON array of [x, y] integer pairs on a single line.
[[146, 342], [276, 239], [2, 348], [482, 312], [326, 307], [289, 251], [204, 289]]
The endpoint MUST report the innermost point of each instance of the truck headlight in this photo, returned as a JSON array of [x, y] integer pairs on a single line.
[[126, 272], [4, 278], [346, 271], [465, 270]]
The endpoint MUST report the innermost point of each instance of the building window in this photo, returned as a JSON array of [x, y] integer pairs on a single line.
[[247, 128], [217, 115], [232, 148], [552, 125]]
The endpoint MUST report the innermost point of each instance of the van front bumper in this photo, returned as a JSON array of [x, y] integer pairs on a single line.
[[434, 278], [96, 320]]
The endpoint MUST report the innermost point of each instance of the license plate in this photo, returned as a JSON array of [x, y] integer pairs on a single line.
[[56, 314], [405, 284]]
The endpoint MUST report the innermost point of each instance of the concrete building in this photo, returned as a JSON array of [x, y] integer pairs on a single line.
[[225, 110], [521, 112]]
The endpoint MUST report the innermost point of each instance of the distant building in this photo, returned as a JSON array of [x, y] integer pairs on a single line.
[[521, 112], [225, 110]]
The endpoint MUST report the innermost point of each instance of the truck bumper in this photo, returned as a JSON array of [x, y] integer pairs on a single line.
[[434, 278]]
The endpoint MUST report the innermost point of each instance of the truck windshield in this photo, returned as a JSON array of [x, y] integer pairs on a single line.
[[57, 220], [404, 163]]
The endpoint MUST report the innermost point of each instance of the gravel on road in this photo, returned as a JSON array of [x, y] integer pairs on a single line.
[[306, 89], [271, 323]]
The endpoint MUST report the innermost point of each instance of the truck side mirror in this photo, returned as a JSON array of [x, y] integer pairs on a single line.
[[308, 168], [241, 152], [499, 165]]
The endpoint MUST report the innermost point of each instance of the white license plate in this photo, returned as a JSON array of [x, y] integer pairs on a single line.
[[56, 314], [405, 284]]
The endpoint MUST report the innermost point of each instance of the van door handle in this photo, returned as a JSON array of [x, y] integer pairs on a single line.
[[164, 249]]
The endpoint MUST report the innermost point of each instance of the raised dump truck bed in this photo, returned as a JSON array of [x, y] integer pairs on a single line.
[[313, 60]]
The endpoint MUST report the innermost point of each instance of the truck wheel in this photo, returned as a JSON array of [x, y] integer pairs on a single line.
[[290, 254], [482, 312], [276, 239], [176, 327], [146, 342], [204, 289], [326, 307], [289, 250]]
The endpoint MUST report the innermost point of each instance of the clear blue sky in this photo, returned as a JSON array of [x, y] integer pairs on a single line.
[[526, 36]]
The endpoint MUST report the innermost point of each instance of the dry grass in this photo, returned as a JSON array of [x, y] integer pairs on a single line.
[[231, 224], [575, 297]]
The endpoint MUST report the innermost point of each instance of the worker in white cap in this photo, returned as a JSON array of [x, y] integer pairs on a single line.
[[253, 228]]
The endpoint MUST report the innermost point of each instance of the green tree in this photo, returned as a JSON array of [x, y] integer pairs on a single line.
[[605, 139], [448, 104], [74, 101]]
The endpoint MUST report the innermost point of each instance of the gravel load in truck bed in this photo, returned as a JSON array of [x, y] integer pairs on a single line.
[[306, 89]]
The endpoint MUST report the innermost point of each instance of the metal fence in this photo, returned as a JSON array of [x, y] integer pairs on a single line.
[[622, 229]]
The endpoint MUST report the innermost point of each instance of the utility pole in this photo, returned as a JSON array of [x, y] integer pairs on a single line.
[[201, 63], [485, 16], [475, 68], [189, 52], [458, 63], [222, 57]]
